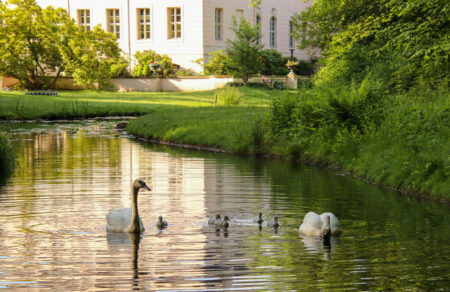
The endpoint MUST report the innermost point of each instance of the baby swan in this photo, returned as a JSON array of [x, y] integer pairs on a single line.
[[127, 219], [161, 223], [213, 221], [260, 220], [273, 222], [224, 223]]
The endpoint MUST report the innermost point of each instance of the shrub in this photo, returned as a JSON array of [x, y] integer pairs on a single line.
[[273, 63], [119, 67], [185, 72], [229, 96], [218, 64], [149, 63]]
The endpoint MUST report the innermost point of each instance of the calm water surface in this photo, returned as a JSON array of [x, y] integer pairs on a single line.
[[53, 236]]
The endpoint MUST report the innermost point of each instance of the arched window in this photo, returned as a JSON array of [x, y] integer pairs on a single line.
[[273, 32], [258, 22]]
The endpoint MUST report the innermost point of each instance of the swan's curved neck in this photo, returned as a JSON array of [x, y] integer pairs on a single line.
[[134, 224]]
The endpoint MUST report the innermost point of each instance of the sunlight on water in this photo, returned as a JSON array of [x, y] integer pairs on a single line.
[[70, 175]]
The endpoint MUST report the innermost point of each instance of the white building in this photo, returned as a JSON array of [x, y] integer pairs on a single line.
[[186, 30]]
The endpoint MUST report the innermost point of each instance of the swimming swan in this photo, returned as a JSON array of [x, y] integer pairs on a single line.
[[325, 225], [127, 219]]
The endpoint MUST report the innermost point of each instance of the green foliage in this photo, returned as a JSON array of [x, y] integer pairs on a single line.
[[273, 63], [185, 72], [218, 64], [30, 41], [7, 158], [119, 67], [35, 42], [408, 39], [244, 50], [229, 96], [92, 57], [149, 63]]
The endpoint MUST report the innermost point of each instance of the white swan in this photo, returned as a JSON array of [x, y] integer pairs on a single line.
[[325, 225], [127, 219]]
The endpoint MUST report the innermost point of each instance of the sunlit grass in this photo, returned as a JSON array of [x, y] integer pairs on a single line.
[[81, 104]]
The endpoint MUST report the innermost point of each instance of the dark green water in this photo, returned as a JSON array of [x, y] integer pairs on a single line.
[[52, 221]]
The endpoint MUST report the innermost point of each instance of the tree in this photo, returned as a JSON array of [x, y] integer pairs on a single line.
[[244, 50], [400, 42], [38, 45], [30, 38]]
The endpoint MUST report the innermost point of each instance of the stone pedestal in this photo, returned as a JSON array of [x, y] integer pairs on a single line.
[[291, 80]]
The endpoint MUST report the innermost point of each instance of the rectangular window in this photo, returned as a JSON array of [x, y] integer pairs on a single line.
[[239, 12], [258, 23], [273, 32], [291, 37], [113, 21], [174, 23], [84, 19], [144, 22], [218, 23]]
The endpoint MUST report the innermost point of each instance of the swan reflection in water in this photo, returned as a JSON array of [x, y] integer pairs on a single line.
[[315, 244], [117, 241]]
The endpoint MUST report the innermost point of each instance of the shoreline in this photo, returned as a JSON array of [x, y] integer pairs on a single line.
[[406, 192]]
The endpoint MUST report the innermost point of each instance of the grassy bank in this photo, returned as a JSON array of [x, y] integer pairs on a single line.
[[401, 141], [82, 104]]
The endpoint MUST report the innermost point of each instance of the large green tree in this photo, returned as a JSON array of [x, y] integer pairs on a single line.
[[244, 50], [38, 45], [403, 42], [30, 38]]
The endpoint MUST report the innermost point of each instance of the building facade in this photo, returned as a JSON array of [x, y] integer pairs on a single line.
[[186, 30]]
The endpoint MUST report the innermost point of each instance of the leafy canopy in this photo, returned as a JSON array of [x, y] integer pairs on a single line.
[[401, 42], [36, 43]]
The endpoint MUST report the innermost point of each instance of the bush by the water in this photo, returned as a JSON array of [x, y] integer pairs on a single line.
[[401, 140], [7, 159]]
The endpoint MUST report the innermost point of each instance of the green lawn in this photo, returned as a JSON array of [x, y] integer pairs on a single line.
[[81, 104]]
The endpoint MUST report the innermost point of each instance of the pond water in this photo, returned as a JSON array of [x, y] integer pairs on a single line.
[[53, 235]]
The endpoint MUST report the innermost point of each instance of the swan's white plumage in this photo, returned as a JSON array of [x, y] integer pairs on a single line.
[[119, 220], [127, 219], [312, 224]]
